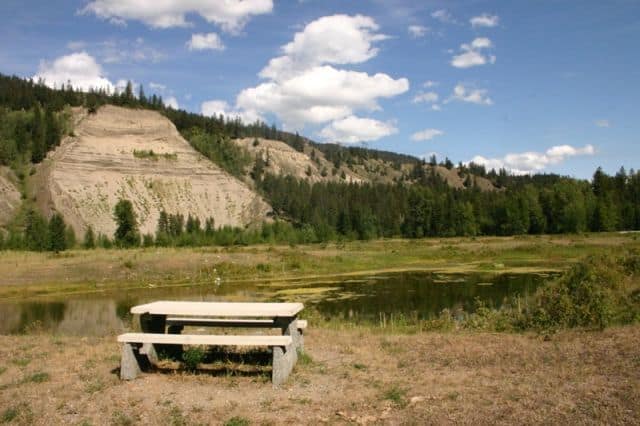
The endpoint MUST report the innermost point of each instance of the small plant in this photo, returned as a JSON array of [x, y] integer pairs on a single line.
[[176, 418], [121, 419], [21, 412], [237, 421], [396, 395], [304, 358], [39, 377], [192, 357], [10, 414], [359, 366], [21, 362], [2, 370], [94, 386]]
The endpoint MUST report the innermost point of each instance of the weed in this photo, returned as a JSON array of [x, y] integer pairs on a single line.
[[304, 358], [2, 370], [21, 412], [192, 357], [118, 418], [94, 386], [359, 366], [21, 362], [397, 395], [237, 421], [39, 377], [176, 418]]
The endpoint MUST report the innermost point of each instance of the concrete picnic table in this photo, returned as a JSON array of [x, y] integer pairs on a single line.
[[162, 323]]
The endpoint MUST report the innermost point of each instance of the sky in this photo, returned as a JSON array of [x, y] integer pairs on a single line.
[[535, 87]]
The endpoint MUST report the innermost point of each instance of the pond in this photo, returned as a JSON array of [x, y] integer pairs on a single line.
[[367, 298]]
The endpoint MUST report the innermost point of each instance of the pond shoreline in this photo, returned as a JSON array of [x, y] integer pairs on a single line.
[[27, 274]]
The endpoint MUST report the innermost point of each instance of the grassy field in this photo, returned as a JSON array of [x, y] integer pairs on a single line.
[[347, 377], [28, 274], [350, 374]]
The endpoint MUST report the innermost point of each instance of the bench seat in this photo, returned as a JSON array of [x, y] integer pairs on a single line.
[[223, 322], [204, 339], [136, 345]]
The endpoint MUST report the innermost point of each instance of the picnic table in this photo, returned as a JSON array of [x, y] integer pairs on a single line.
[[161, 323]]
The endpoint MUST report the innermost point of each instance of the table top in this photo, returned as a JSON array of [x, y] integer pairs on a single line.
[[219, 309]]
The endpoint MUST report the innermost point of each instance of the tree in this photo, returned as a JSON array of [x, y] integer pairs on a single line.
[[38, 141], [89, 238], [126, 234], [35, 231], [57, 233]]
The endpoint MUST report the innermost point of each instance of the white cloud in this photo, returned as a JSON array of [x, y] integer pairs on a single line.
[[215, 107], [79, 69], [417, 31], [603, 123], [426, 135], [157, 86], [484, 20], [336, 39], [428, 97], [443, 16], [171, 102], [209, 41], [429, 83], [230, 15], [123, 51], [76, 45], [302, 87], [474, 96], [354, 129], [530, 162], [321, 94], [472, 56]]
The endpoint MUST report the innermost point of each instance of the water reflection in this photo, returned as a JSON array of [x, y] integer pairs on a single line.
[[418, 295]]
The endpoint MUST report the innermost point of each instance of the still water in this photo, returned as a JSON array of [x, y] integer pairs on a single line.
[[417, 295]]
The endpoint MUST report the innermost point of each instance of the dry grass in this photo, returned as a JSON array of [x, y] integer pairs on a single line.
[[350, 376]]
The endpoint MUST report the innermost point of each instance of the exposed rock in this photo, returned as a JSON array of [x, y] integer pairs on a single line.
[[139, 155]]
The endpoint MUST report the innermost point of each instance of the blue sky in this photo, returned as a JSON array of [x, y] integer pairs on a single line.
[[544, 86]]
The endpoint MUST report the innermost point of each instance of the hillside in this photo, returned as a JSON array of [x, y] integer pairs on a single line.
[[311, 163], [138, 155], [9, 196]]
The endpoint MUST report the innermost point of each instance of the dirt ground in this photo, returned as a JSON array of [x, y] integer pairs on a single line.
[[352, 376]]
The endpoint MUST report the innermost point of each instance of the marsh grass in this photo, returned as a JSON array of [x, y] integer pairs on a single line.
[[84, 270]]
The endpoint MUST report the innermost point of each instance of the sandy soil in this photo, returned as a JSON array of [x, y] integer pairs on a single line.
[[353, 377], [89, 172], [9, 196]]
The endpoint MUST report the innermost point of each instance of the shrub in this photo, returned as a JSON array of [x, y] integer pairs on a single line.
[[192, 357], [595, 293]]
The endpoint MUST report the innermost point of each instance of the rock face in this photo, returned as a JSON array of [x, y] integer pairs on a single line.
[[9, 197], [139, 155]]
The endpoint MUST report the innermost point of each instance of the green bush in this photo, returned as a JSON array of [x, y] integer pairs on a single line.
[[600, 291], [192, 357]]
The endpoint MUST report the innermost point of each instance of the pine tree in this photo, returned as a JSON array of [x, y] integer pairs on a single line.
[[38, 141], [52, 130], [35, 232], [89, 238], [57, 233], [126, 234]]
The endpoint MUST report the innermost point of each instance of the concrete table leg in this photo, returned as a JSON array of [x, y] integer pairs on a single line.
[[154, 324], [129, 367], [284, 358]]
